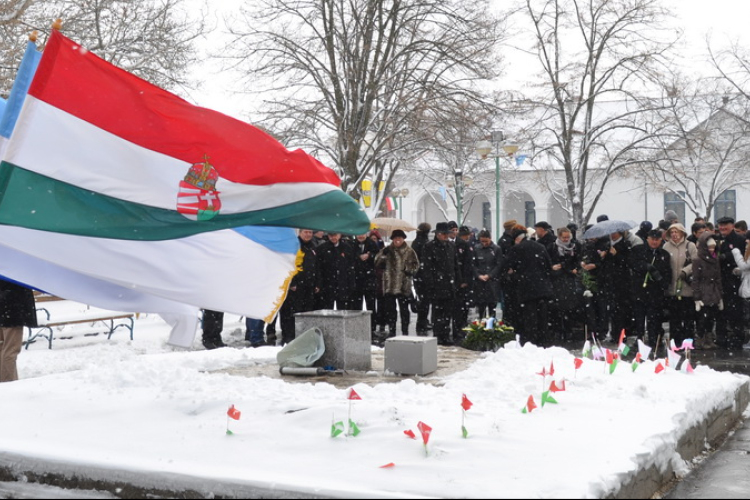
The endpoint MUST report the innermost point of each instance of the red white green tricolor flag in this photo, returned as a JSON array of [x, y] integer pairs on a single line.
[[124, 159], [112, 179]]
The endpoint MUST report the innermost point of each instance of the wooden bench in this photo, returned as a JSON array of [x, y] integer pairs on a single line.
[[110, 321]]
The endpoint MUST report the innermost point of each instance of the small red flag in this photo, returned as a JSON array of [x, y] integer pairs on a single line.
[[543, 373], [659, 368], [610, 357], [638, 357], [577, 362], [426, 430], [388, 466], [410, 433], [353, 395], [465, 403], [557, 388], [551, 368], [530, 405], [234, 413]]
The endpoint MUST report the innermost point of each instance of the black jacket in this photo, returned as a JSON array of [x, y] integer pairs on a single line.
[[652, 268], [439, 269], [487, 261], [530, 263], [17, 307]]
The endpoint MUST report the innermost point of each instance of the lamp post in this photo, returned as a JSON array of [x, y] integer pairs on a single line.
[[400, 194], [459, 187], [483, 149]]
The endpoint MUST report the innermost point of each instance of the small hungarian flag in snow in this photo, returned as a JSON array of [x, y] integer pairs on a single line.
[[337, 428], [622, 346], [643, 349], [586, 349], [613, 365], [551, 368], [673, 359], [687, 345], [577, 362], [530, 405], [353, 395], [543, 373], [353, 428], [425, 430], [659, 368], [557, 388], [686, 367], [546, 398], [672, 345], [134, 162], [636, 362], [465, 403], [233, 412], [610, 356], [410, 433]]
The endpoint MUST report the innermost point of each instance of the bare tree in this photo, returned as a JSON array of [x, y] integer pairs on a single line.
[[704, 148], [153, 39], [356, 80], [12, 10], [583, 119]]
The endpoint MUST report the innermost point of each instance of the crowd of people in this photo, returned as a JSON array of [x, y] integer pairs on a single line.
[[548, 284]]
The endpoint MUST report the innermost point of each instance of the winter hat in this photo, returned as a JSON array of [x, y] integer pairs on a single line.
[[452, 225], [725, 220], [509, 224], [464, 231], [544, 225], [442, 227], [602, 218], [654, 233], [670, 215], [646, 226], [398, 233], [424, 227], [679, 227], [517, 231]]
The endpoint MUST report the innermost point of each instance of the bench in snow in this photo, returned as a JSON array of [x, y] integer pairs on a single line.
[[58, 312]]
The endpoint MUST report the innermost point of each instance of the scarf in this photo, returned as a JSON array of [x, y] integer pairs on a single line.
[[564, 249]]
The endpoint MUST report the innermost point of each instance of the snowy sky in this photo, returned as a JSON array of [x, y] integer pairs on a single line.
[[142, 405]]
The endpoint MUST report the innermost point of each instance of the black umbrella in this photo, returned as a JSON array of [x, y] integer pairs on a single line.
[[607, 227]]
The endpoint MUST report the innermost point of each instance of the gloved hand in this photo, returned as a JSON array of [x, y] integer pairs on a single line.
[[651, 268], [721, 305], [588, 293], [655, 275], [737, 271], [698, 305], [386, 250]]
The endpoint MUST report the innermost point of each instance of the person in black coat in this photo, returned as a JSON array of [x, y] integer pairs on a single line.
[[730, 333], [423, 304], [652, 274], [464, 299], [304, 285], [336, 261], [365, 280], [487, 260], [529, 262], [615, 282], [17, 310], [565, 256], [545, 235], [439, 271]]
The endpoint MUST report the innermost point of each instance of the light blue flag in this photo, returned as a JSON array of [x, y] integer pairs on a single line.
[[520, 159], [2, 106], [21, 85]]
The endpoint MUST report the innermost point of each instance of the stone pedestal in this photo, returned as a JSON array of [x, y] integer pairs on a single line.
[[406, 355], [346, 334]]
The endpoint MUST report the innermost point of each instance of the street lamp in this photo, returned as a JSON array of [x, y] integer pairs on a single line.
[[459, 181], [484, 148], [401, 194]]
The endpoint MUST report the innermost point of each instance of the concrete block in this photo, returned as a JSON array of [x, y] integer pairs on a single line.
[[346, 334], [408, 355]]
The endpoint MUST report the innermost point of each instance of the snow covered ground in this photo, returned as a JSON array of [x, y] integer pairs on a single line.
[[145, 406]]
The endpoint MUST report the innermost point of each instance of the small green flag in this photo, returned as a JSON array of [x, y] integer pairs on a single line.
[[337, 429], [465, 433], [229, 433], [353, 429], [625, 349], [634, 365], [612, 366], [546, 398]]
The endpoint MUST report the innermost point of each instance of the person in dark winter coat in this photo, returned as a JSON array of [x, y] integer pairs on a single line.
[[464, 299], [730, 333], [545, 236], [212, 325], [615, 282], [17, 310], [707, 288], [594, 298], [365, 280], [336, 261], [652, 274], [440, 273], [487, 261], [304, 285], [529, 262], [399, 263], [565, 256], [423, 304]]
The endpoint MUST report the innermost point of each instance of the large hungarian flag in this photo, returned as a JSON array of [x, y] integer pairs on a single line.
[[99, 152]]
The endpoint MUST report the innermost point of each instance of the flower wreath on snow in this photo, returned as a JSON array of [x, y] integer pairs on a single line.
[[481, 338]]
